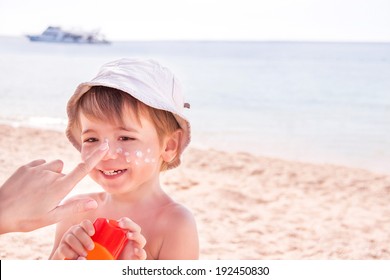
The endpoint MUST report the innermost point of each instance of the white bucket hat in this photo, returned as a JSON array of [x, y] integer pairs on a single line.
[[145, 80]]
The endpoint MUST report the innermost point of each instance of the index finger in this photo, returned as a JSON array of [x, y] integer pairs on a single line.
[[83, 168]]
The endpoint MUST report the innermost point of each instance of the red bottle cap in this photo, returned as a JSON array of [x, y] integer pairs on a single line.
[[110, 236]]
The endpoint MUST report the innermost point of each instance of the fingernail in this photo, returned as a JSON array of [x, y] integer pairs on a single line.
[[129, 235], [104, 146], [90, 205], [121, 223]]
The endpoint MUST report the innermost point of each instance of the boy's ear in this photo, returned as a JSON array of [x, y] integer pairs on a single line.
[[171, 146]]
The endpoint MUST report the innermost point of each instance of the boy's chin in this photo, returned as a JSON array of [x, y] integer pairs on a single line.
[[113, 188]]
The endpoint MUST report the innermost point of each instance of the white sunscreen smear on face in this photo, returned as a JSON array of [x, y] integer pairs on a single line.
[[138, 154], [127, 156], [136, 157]]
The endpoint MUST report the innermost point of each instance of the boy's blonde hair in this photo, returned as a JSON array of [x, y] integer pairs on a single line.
[[107, 104]]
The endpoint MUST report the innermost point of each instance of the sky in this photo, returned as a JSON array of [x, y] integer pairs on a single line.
[[266, 20]]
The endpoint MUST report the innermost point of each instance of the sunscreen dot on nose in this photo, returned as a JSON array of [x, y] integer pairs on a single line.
[[119, 150]]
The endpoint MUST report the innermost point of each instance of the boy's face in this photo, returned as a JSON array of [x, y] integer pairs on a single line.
[[134, 156]]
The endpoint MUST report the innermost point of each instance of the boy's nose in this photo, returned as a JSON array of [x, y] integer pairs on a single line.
[[112, 153]]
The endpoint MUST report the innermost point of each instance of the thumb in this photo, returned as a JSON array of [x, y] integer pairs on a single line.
[[73, 207], [83, 168]]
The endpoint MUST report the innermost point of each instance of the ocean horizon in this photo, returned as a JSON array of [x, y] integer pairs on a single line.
[[320, 102]]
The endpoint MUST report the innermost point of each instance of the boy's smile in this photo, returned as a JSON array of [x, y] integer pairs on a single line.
[[113, 173]]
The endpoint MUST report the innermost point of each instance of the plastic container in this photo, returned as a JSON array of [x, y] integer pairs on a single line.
[[109, 240]]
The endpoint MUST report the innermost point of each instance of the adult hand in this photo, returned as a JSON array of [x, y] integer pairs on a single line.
[[31, 197]]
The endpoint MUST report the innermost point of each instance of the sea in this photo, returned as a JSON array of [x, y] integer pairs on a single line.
[[316, 102]]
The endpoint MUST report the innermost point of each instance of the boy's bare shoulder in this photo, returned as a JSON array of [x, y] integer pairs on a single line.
[[177, 214], [179, 233]]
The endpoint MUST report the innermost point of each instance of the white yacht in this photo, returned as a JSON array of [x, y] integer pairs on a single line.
[[56, 34]]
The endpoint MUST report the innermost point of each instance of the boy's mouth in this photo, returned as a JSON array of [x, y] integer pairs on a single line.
[[113, 172]]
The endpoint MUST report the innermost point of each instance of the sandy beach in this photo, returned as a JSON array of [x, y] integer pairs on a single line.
[[246, 206]]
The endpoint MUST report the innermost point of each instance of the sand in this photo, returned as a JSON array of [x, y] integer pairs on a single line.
[[246, 206]]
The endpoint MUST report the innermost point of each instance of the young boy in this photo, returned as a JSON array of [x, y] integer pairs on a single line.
[[135, 107]]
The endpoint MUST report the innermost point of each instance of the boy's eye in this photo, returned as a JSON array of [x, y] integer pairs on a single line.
[[90, 140], [126, 138]]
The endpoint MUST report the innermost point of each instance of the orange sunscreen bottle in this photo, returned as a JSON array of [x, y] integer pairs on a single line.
[[109, 240]]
